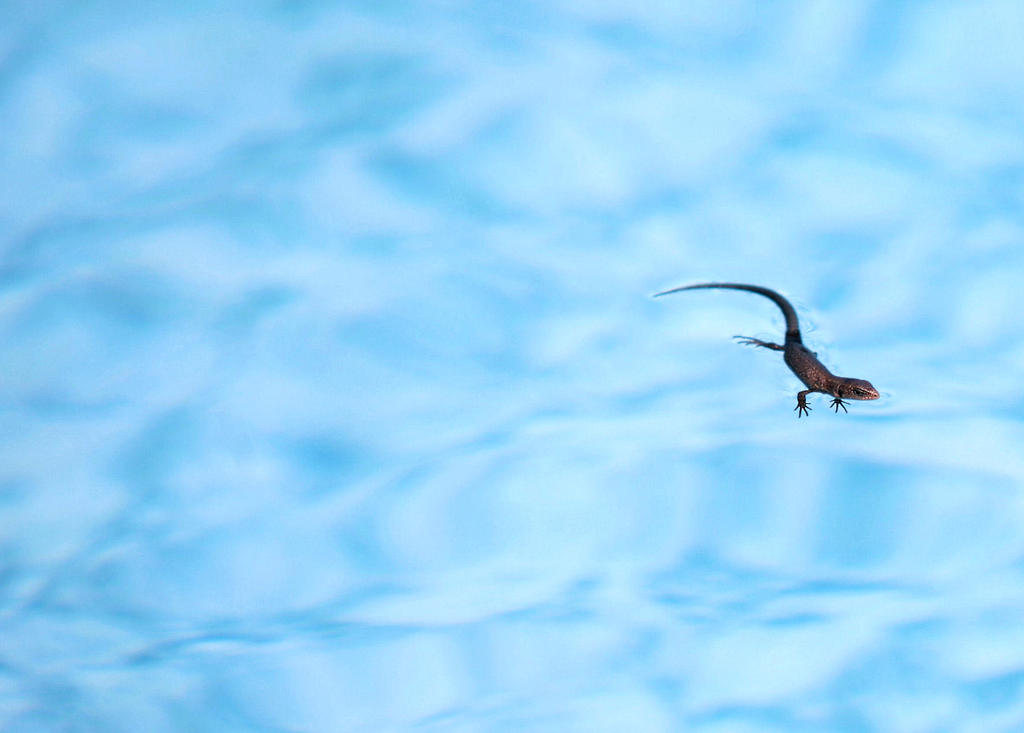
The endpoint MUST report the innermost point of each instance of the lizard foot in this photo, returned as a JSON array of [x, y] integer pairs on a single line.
[[837, 403], [801, 408]]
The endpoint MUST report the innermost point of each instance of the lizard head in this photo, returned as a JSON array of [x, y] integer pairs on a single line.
[[858, 389]]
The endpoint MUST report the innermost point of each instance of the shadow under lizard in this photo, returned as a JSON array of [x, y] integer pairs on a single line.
[[799, 358]]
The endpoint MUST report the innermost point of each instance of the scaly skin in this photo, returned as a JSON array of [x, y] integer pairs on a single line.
[[801, 360]]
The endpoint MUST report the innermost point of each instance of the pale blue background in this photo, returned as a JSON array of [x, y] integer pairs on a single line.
[[332, 396]]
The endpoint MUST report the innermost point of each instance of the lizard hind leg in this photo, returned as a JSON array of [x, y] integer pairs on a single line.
[[747, 341]]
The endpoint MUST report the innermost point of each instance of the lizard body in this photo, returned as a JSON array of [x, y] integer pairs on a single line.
[[801, 360]]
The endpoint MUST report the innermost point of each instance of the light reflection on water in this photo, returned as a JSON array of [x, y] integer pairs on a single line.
[[334, 397]]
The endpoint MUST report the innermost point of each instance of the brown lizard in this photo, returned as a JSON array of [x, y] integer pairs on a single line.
[[798, 357]]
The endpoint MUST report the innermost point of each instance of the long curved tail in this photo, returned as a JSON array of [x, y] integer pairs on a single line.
[[792, 325]]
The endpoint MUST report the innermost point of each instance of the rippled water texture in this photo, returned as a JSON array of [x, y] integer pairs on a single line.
[[332, 396]]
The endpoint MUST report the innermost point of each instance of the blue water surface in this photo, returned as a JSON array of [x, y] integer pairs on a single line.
[[333, 396]]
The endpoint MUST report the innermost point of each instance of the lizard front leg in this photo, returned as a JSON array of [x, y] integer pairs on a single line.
[[801, 403]]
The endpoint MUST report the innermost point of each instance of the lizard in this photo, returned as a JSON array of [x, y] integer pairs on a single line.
[[801, 360]]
